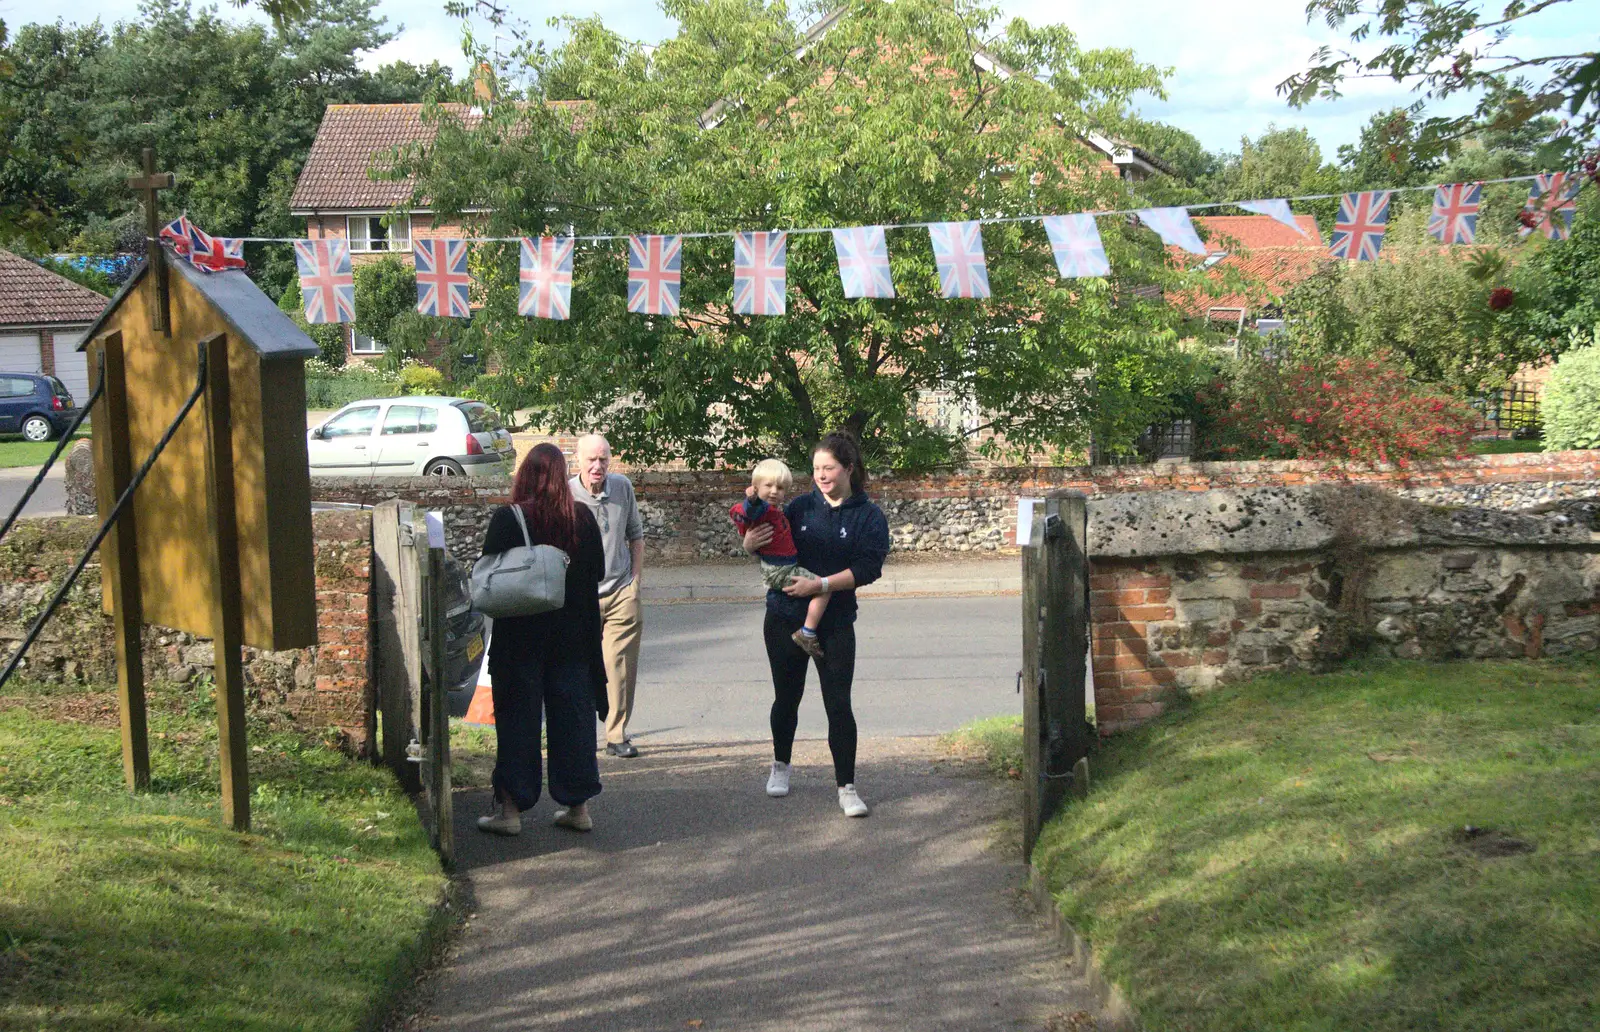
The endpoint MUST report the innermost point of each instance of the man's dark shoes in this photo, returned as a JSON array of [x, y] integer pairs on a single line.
[[624, 749]]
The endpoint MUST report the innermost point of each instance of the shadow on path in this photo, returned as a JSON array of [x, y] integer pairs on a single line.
[[699, 899]]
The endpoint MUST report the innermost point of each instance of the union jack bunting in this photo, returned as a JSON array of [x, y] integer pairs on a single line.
[[442, 278], [958, 252], [1553, 200], [1278, 208], [1172, 225], [863, 261], [655, 274], [176, 233], [1455, 213], [760, 273], [213, 254], [1358, 231], [546, 277], [1075, 239], [327, 285]]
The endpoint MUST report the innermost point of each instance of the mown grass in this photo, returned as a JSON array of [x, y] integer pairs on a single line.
[[122, 911], [996, 740], [17, 451], [1292, 853], [1502, 446]]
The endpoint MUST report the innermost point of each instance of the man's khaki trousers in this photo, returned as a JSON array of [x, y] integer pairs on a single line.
[[622, 627]]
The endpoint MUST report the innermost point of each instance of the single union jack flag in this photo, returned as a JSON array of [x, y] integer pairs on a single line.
[[1455, 213], [327, 284], [760, 273], [213, 254], [1075, 239], [442, 278], [546, 276], [176, 233], [655, 274], [958, 252], [1358, 231], [1174, 228], [863, 261], [1552, 200]]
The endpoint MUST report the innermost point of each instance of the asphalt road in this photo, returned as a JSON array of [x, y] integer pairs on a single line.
[[49, 500], [923, 666]]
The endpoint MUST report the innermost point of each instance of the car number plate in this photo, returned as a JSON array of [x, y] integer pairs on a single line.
[[474, 647]]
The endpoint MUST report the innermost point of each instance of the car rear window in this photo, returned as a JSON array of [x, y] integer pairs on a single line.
[[58, 388], [481, 419]]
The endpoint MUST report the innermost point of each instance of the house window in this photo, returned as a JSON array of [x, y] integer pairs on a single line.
[[368, 233], [361, 344]]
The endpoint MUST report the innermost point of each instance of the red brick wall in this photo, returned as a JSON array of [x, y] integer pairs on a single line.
[[342, 671]]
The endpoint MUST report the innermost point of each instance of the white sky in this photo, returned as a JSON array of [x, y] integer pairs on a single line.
[[1228, 55]]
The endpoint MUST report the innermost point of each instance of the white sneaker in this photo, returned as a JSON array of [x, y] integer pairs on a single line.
[[851, 803], [778, 780]]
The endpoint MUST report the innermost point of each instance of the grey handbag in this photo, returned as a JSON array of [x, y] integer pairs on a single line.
[[520, 581]]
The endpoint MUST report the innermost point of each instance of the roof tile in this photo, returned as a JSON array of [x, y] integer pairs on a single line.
[[31, 295], [351, 135]]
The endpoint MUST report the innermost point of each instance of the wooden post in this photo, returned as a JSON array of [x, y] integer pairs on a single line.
[[437, 707], [227, 605], [121, 558], [1055, 643]]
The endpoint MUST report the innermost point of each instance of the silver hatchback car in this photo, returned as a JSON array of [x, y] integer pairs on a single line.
[[412, 436]]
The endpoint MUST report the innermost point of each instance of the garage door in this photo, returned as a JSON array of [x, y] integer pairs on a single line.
[[19, 353], [72, 368]]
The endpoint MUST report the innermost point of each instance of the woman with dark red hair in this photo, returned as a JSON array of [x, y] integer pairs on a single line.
[[549, 666]]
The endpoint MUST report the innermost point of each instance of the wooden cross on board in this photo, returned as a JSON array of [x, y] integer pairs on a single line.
[[148, 184]]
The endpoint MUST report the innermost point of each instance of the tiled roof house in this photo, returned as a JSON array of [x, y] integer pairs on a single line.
[[42, 318], [1271, 256]]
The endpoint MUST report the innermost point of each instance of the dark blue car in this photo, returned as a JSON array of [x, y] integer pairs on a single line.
[[37, 407]]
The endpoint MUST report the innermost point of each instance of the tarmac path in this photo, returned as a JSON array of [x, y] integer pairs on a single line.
[[699, 903]]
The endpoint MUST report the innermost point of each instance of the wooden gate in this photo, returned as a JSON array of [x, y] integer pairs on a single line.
[[1055, 650], [408, 669]]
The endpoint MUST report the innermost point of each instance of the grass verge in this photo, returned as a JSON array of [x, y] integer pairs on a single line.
[[121, 911], [1502, 446], [1294, 853], [995, 740], [16, 451]]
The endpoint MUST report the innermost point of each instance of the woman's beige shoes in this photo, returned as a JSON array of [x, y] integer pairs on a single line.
[[501, 823], [575, 817]]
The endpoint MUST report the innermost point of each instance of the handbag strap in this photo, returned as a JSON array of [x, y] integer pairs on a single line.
[[523, 523]]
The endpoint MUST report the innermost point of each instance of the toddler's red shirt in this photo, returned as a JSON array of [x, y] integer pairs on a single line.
[[753, 512]]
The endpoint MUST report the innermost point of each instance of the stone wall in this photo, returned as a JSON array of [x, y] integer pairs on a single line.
[[1189, 590], [321, 689], [685, 513]]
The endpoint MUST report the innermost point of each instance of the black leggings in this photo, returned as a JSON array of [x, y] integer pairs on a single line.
[[837, 672]]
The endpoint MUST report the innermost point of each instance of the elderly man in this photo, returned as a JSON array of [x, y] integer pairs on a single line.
[[610, 497]]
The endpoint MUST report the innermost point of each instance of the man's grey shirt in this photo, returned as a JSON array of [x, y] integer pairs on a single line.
[[617, 512]]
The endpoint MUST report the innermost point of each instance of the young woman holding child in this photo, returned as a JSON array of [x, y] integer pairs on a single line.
[[841, 539]]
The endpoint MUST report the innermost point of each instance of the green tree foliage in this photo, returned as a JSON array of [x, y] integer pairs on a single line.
[[1388, 154], [1558, 284], [231, 108], [739, 123], [1430, 309], [1518, 59], [1281, 162], [1571, 401]]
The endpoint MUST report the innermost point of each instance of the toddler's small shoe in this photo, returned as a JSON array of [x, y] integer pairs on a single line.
[[809, 643], [575, 817]]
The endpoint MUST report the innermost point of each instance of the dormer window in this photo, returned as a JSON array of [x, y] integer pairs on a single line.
[[368, 233]]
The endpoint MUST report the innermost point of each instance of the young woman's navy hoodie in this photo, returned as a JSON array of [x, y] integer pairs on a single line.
[[830, 539]]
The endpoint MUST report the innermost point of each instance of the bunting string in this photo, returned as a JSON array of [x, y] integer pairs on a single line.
[[760, 258]]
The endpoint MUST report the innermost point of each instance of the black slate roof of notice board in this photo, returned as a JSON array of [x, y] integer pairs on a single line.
[[247, 310]]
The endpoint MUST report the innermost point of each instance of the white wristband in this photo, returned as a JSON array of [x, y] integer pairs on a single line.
[[824, 585]]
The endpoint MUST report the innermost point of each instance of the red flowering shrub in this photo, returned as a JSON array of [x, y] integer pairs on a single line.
[[1500, 298], [1354, 409]]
